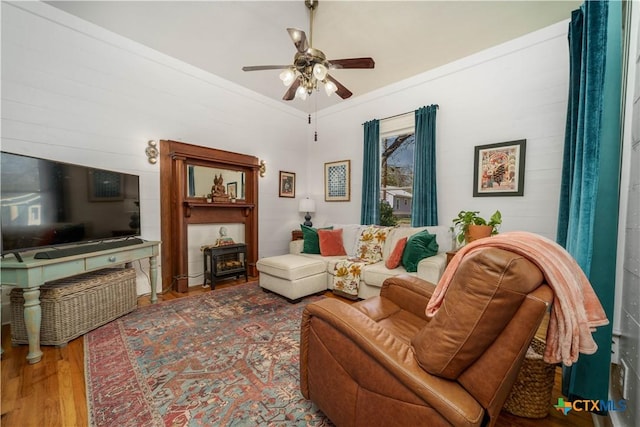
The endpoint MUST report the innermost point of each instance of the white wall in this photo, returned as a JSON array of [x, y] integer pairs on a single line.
[[626, 322], [72, 91], [517, 90]]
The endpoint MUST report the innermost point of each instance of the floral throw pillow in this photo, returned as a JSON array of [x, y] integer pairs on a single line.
[[371, 242]]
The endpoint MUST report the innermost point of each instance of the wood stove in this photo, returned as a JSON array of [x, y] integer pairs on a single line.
[[223, 262]]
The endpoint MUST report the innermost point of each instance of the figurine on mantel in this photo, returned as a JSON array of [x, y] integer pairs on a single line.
[[218, 191], [223, 239]]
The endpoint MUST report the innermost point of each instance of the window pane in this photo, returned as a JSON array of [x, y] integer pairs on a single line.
[[396, 178]]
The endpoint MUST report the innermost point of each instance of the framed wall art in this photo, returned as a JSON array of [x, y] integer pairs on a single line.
[[232, 190], [498, 169], [337, 181], [287, 184]]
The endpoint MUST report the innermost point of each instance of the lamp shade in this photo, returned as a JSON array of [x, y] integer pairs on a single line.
[[307, 205]]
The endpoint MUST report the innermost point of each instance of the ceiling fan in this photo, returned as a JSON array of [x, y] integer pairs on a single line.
[[311, 66]]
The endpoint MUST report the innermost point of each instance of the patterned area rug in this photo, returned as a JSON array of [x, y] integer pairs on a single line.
[[225, 358]]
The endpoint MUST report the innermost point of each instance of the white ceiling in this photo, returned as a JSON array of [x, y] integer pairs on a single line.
[[405, 38]]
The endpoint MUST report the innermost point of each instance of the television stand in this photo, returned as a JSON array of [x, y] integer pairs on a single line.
[[31, 273]]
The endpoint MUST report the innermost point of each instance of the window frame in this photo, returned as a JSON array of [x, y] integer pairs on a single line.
[[397, 125]]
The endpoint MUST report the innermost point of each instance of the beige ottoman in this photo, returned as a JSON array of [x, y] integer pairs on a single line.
[[292, 276]]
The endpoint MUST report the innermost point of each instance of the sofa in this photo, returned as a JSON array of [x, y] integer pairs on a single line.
[[298, 273]]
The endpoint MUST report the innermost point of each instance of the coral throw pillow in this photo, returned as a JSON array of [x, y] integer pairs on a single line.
[[331, 242], [311, 243], [396, 256]]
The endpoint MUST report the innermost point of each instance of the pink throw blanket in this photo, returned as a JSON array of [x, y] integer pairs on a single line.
[[576, 310]]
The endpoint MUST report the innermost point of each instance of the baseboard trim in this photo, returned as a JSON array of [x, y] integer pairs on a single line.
[[603, 420], [615, 419]]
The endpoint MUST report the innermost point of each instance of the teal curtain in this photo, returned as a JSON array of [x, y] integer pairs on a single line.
[[424, 207], [370, 210], [191, 181], [589, 192]]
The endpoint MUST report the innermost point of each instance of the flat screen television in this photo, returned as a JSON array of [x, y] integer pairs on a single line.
[[47, 203]]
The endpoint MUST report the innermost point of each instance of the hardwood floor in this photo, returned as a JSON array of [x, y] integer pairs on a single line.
[[52, 392]]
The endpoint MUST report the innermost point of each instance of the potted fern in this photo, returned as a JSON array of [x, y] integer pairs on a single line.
[[470, 226]]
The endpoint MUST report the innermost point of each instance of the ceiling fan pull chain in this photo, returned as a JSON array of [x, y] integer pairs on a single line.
[[315, 133]]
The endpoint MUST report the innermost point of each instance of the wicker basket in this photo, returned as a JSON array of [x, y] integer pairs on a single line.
[[76, 305], [531, 393]]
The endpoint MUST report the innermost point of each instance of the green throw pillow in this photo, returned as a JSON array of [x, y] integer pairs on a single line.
[[311, 239], [419, 246]]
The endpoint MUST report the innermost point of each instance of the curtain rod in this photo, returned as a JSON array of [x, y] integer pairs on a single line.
[[403, 114]]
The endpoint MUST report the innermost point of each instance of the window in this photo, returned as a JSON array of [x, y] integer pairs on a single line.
[[397, 145]]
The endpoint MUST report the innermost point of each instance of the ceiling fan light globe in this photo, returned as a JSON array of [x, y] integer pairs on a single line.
[[319, 71], [301, 93], [287, 76], [330, 87]]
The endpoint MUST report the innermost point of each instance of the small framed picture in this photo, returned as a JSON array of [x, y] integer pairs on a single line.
[[499, 169], [337, 181], [287, 184], [232, 190]]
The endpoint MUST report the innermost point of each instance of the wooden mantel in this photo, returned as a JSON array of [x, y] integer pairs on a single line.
[[178, 210], [202, 209]]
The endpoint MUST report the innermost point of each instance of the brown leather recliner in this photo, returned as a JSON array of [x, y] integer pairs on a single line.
[[381, 362]]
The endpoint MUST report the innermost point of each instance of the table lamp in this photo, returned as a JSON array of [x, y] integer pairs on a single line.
[[307, 205]]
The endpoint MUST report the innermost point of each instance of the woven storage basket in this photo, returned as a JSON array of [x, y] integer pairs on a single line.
[[76, 305], [531, 393]]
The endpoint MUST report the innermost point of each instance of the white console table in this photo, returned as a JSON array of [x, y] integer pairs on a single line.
[[31, 273]]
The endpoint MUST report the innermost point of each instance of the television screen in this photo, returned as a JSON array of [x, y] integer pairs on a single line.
[[46, 203]]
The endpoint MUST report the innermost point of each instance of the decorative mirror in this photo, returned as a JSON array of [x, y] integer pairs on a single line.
[[201, 179]]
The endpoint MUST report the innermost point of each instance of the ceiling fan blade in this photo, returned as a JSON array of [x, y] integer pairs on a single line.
[[291, 92], [342, 91], [352, 63], [299, 39], [265, 67]]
